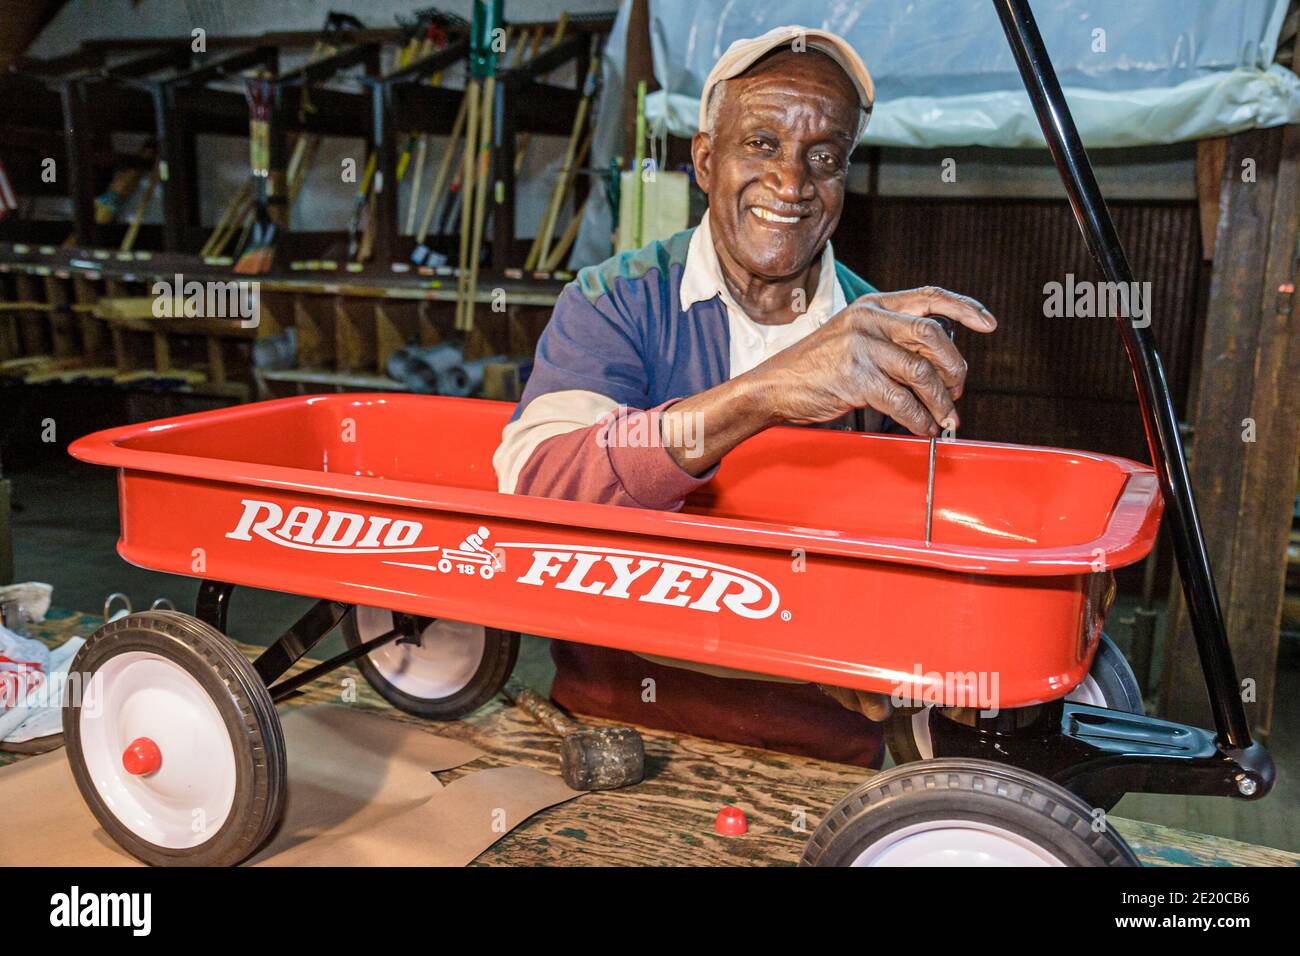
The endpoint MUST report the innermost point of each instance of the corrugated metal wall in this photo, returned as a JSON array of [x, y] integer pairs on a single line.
[[1038, 380]]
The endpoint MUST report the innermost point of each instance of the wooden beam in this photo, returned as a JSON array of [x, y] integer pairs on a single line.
[[1211, 154], [1246, 420], [639, 66]]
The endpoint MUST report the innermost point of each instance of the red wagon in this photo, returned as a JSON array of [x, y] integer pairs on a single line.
[[805, 559], [802, 559]]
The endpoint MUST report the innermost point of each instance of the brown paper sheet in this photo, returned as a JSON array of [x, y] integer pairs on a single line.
[[361, 791], [451, 828]]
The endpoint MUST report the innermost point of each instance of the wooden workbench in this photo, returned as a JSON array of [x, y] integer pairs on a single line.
[[668, 818]]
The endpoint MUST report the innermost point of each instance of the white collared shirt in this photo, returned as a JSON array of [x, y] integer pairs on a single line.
[[754, 342]]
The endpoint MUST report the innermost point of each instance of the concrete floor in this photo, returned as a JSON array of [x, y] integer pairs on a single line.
[[66, 527]]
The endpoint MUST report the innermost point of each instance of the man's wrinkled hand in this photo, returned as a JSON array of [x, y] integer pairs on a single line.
[[875, 707], [885, 351]]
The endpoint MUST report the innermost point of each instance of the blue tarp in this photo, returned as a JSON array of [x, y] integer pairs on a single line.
[[1135, 72]]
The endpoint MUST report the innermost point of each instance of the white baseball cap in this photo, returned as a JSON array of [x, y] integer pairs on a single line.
[[742, 54]]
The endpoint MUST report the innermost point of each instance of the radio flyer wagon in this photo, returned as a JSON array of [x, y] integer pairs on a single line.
[[805, 559]]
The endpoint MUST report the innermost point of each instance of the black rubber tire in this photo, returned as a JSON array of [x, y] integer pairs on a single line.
[[1115, 679], [500, 650], [900, 737], [957, 789], [245, 707]]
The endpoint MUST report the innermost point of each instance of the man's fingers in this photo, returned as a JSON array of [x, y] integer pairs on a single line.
[[899, 403], [924, 335], [875, 707], [910, 369], [931, 300]]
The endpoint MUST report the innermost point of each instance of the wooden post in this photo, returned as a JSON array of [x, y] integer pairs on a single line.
[[503, 159], [384, 136], [80, 173], [638, 66], [174, 169], [1246, 421]]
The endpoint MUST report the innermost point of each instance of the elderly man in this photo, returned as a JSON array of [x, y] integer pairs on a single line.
[[744, 322]]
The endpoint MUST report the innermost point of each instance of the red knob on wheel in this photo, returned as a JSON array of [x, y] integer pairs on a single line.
[[141, 757]]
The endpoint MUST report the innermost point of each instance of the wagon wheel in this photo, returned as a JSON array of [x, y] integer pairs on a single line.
[[907, 734], [957, 812], [174, 742], [1109, 683], [439, 669]]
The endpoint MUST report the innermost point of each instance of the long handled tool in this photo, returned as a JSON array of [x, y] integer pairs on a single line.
[[231, 216], [481, 90], [467, 179], [561, 25], [422, 251], [269, 206], [360, 208], [146, 197], [562, 247], [542, 242], [418, 145], [1158, 414], [481, 189]]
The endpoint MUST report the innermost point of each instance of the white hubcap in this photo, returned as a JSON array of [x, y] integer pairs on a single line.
[[441, 664], [1087, 691], [188, 797], [955, 843]]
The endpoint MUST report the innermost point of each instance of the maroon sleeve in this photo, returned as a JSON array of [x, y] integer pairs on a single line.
[[620, 460]]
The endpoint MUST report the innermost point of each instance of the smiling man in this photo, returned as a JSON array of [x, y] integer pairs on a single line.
[[706, 338]]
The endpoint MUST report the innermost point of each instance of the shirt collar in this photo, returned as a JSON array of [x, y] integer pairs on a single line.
[[702, 278]]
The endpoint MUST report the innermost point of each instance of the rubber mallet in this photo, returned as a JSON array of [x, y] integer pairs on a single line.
[[591, 758]]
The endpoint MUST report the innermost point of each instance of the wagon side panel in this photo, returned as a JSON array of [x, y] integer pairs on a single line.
[[807, 617]]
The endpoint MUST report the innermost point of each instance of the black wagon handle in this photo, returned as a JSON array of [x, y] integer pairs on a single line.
[[1158, 416]]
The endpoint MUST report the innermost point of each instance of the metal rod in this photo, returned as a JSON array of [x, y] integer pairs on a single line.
[[308, 631], [1158, 414], [929, 492], [289, 685], [951, 329]]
